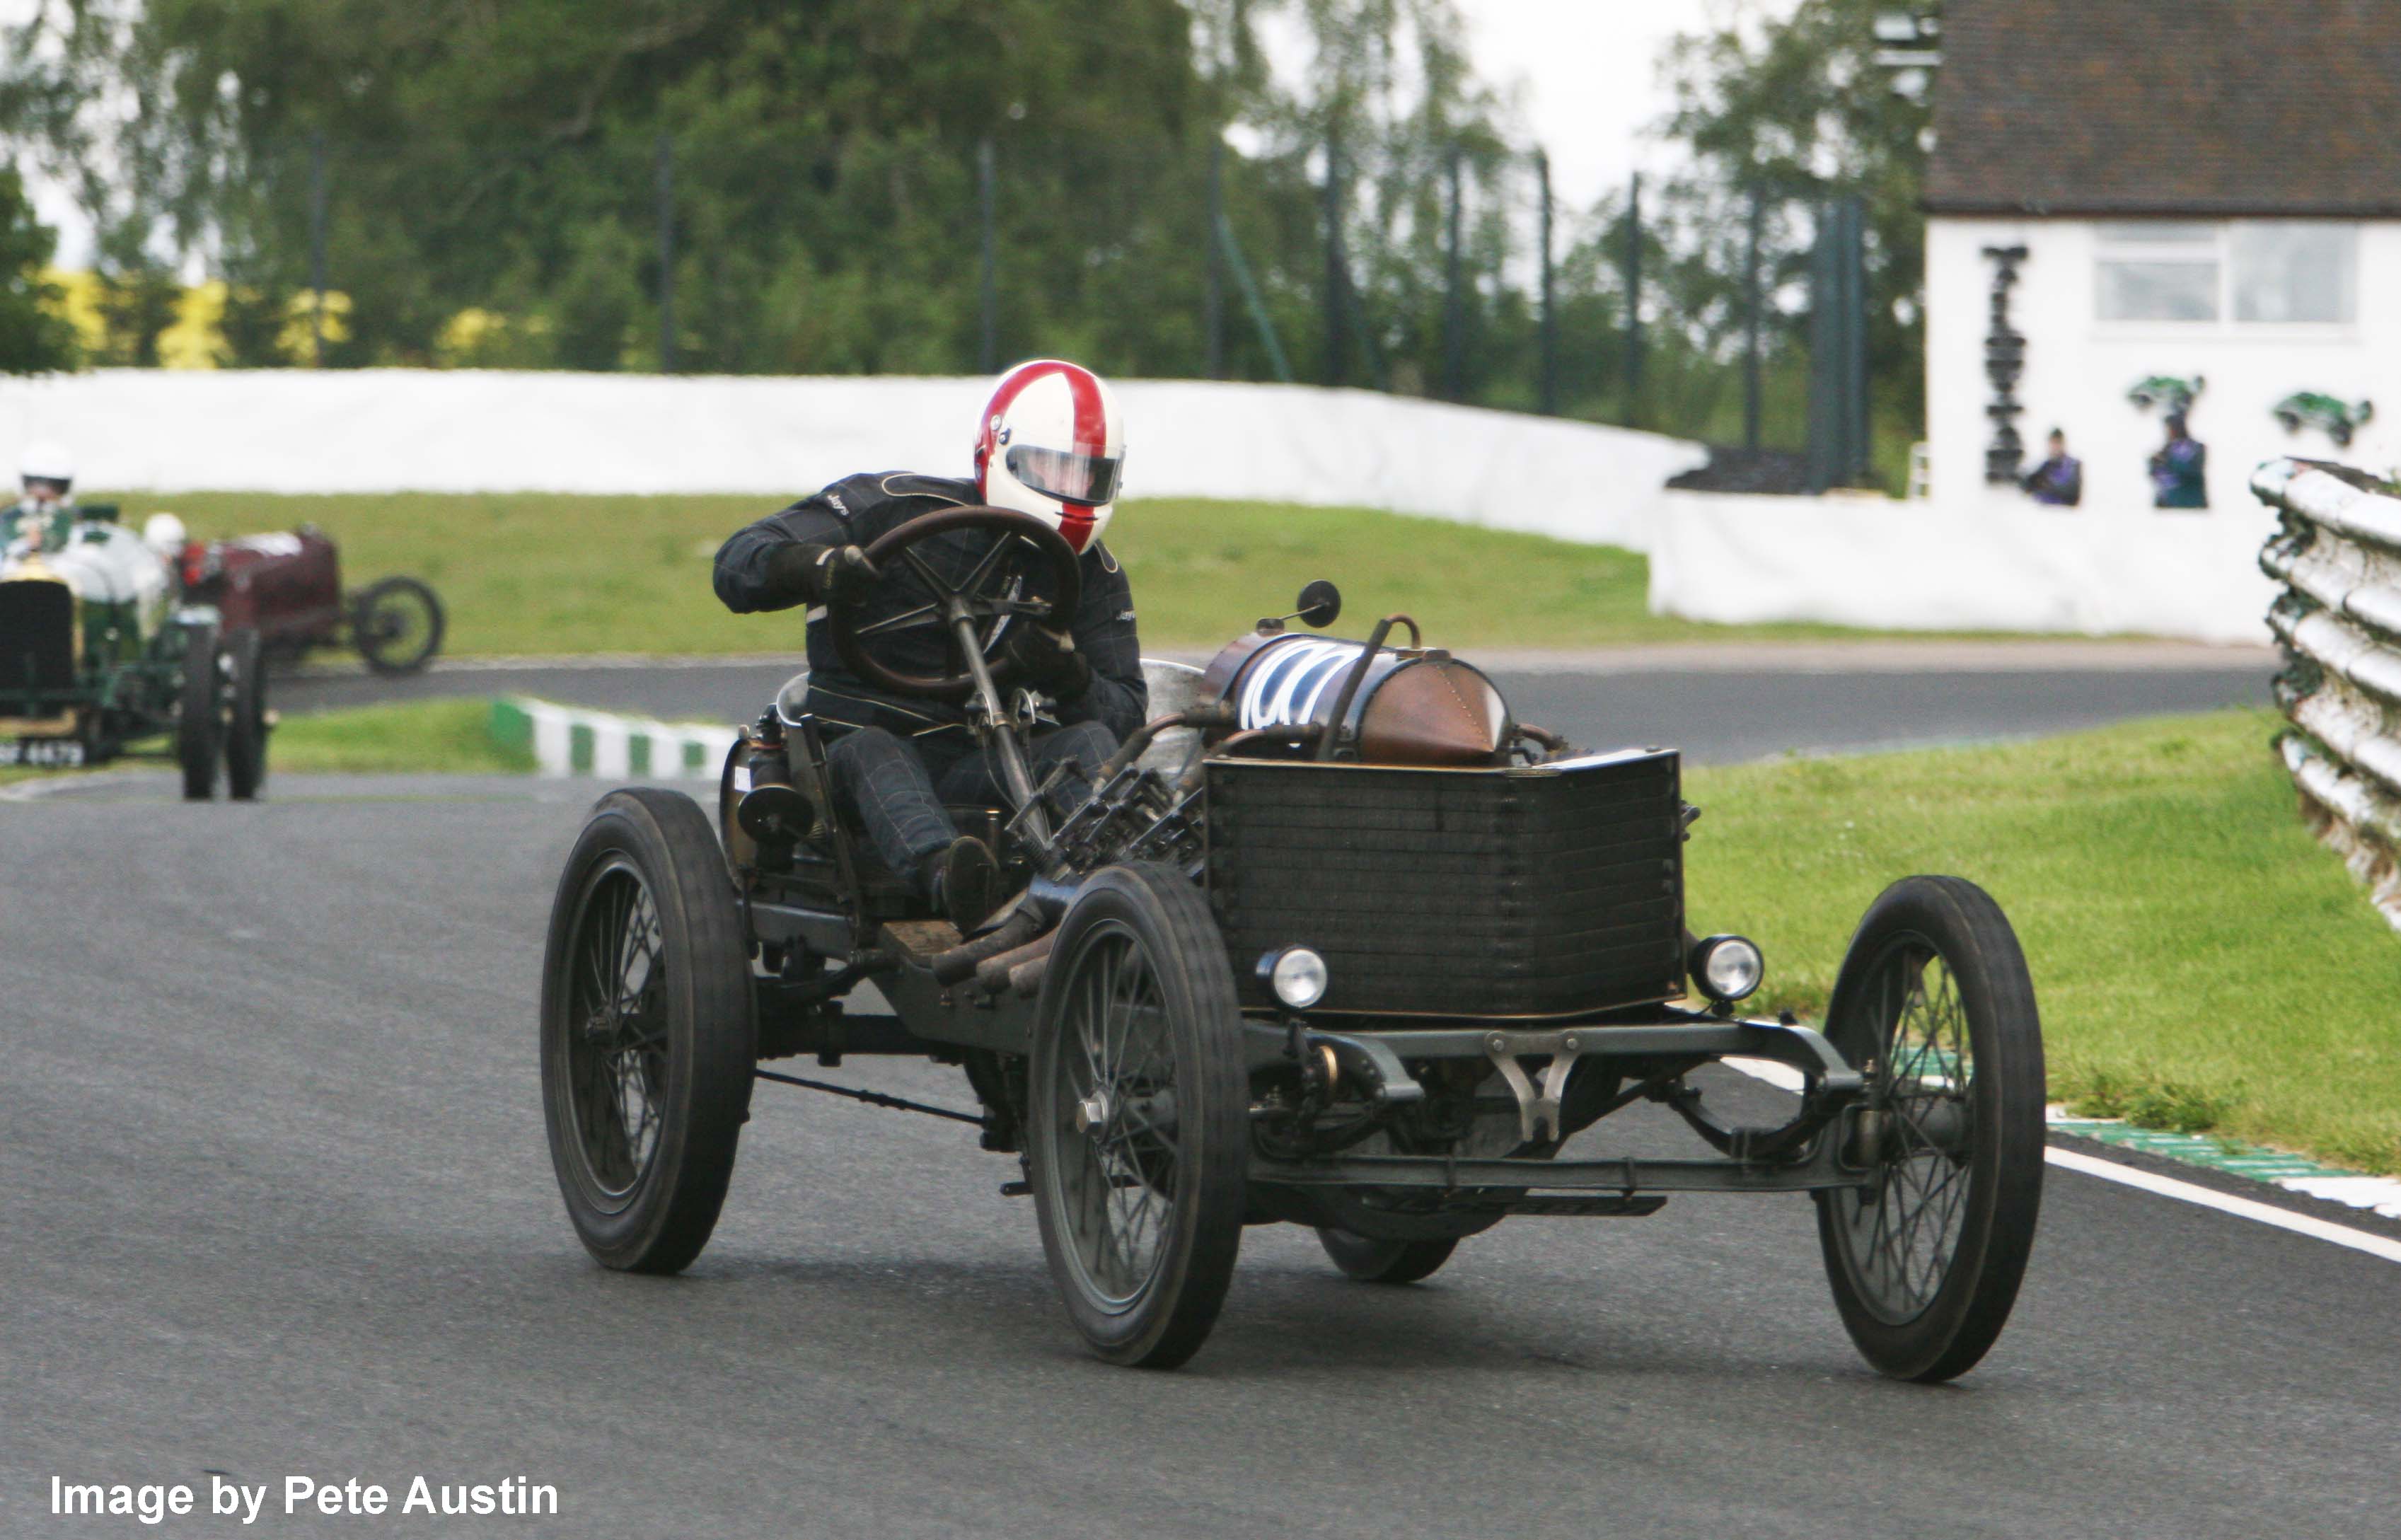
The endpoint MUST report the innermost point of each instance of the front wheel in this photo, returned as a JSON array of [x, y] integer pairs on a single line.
[[648, 1033], [1140, 1118], [1935, 1006], [245, 719], [397, 624], [199, 714]]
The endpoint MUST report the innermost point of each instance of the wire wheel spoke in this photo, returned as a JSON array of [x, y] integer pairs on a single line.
[[1903, 1230], [616, 1042], [1120, 1151]]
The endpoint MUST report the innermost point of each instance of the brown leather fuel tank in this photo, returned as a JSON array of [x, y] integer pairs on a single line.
[[1413, 706]]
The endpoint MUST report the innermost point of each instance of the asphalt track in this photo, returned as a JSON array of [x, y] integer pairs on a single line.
[[278, 1202], [1716, 702]]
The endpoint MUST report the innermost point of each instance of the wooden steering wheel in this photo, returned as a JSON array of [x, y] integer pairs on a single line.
[[986, 596]]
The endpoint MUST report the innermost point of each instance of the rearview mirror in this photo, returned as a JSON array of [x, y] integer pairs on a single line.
[[1320, 606]]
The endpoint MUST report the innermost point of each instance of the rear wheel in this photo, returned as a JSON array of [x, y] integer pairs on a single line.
[[245, 717], [1140, 1135], [1384, 1261], [1935, 1006], [648, 1034], [199, 714], [397, 624]]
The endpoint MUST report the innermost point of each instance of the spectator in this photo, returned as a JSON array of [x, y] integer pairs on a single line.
[[2179, 472], [2059, 480]]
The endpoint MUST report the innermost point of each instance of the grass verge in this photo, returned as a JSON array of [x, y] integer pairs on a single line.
[[548, 572], [427, 737], [431, 737], [2202, 964]]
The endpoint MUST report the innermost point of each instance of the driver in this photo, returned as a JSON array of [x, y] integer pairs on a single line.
[[46, 513], [1049, 443]]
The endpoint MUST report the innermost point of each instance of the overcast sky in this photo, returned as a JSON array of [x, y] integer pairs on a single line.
[[1585, 76]]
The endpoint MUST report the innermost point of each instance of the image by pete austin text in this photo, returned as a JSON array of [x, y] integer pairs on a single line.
[[245, 1503]]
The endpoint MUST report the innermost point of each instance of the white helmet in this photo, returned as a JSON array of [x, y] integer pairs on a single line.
[[165, 534], [1050, 443], [45, 459]]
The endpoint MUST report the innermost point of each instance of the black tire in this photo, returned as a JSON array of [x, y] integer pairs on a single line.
[[1925, 1261], [199, 714], [2340, 433], [1135, 933], [397, 624], [245, 720], [1384, 1261], [643, 1183]]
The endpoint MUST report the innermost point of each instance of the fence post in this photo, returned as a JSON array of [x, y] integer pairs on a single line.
[[1549, 396], [1753, 298], [1634, 300], [666, 255], [1453, 302], [1251, 301], [988, 194], [1212, 295], [1337, 343], [317, 239], [1838, 420]]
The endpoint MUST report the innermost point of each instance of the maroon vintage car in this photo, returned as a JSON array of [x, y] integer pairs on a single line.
[[288, 586]]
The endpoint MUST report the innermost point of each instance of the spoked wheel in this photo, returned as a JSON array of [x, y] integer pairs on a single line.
[[397, 624], [199, 714], [245, 715], [1935, 1005], [1384, 1261], [1140, 1116], [648, 1035]]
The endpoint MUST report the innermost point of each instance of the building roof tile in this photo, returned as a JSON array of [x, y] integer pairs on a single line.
[[2197, 107]]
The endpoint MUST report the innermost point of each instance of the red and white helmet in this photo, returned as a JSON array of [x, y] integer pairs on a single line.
[[1050, 443]]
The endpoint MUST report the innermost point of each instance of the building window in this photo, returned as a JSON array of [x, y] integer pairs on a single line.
[[2293, 272], [2262, 272], [2159, 272]]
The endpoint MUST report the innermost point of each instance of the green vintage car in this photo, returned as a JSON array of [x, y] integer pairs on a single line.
[[100, 658]]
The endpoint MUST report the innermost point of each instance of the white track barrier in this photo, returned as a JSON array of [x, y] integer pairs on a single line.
[[480, 431], [1992, 564], [2338, 556]]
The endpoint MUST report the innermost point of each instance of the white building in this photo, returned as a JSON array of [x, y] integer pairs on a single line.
[[2200, 189], [2206, 188]]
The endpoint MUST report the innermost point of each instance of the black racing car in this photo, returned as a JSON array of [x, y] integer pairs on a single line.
[[1335, 942]]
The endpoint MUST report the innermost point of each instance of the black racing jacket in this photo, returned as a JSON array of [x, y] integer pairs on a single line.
[[859, 509]]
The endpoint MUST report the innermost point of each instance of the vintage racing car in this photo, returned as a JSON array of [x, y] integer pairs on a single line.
[[1335, 942], [287, 587], [98, 654]]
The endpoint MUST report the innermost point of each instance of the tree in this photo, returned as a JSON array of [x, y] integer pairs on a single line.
[[34, 336], [491, 179], [1798, 108]]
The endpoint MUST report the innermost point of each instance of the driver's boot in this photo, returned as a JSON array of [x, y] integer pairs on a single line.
[[963, 881]]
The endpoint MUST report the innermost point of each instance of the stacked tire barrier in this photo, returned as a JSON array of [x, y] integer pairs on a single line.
[[2338, 553]]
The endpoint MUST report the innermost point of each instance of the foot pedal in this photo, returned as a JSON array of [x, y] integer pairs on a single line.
[[1017, 1190]]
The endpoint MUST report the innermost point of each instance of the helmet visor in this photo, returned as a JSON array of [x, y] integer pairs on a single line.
[[1064, 474]]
